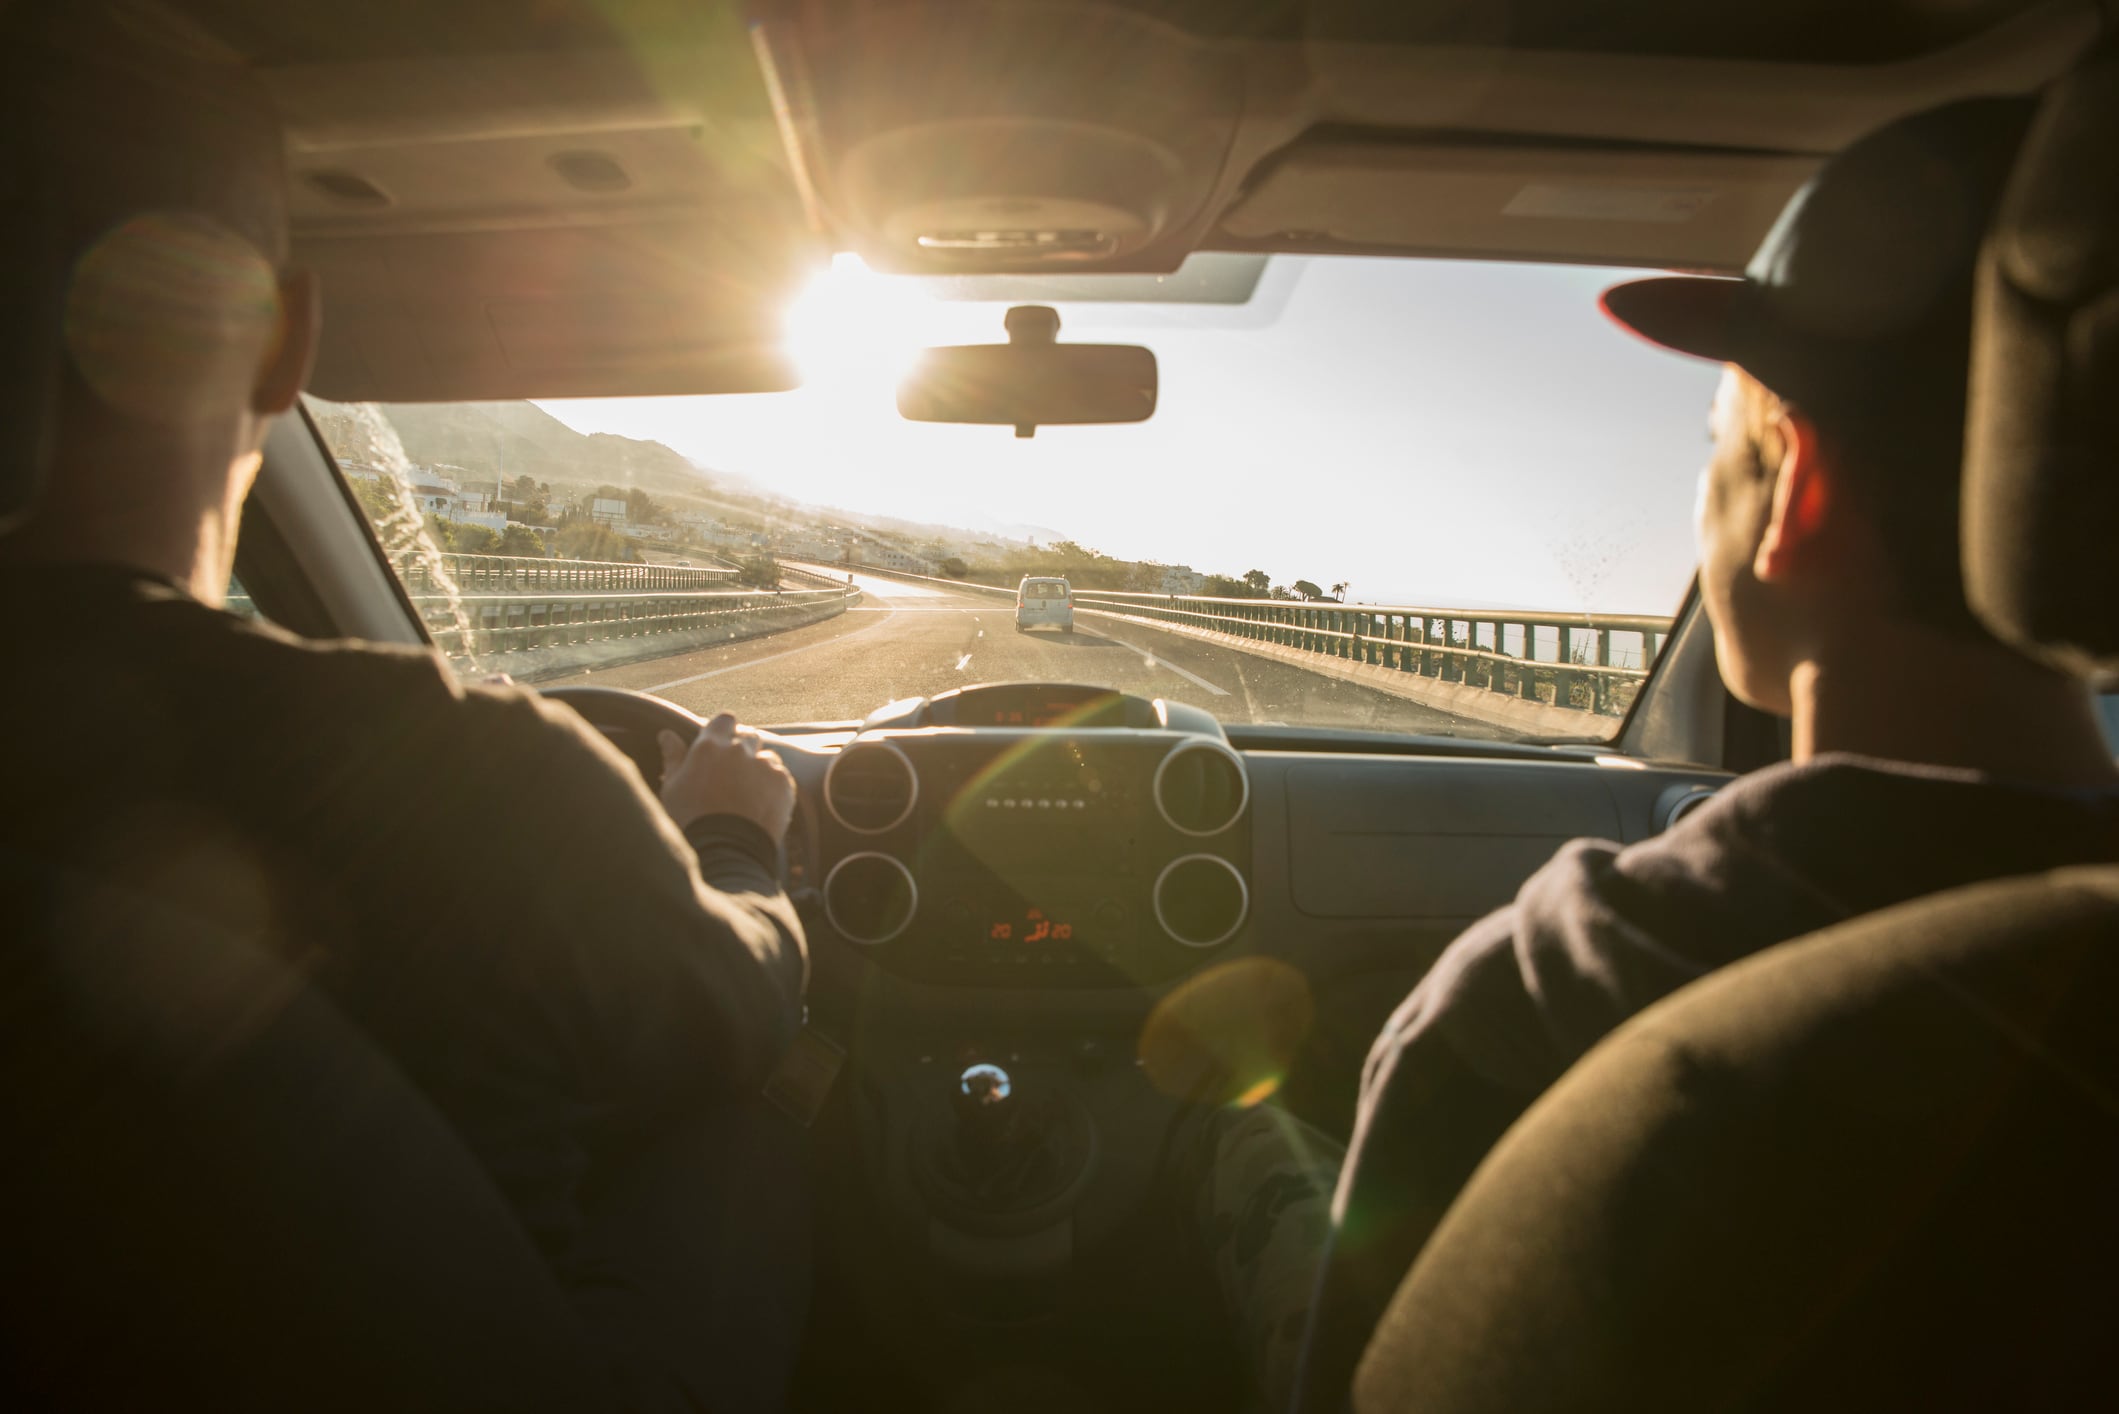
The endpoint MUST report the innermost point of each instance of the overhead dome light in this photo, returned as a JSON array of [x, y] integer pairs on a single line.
[[1020, 189], [994, 135], [1021, 242]]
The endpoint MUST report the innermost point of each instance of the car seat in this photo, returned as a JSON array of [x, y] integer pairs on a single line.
[[220, 1195], [1876, 1167]]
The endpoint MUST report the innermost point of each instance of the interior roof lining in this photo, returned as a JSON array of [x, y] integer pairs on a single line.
[[329, 106], [419, 121], [1856, 35]]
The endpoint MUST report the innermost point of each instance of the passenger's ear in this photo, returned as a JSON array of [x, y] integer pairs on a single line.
[[1802, 499], [286, 365]]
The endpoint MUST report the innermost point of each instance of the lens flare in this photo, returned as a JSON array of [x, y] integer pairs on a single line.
[[854, 328], [1229, 1035]]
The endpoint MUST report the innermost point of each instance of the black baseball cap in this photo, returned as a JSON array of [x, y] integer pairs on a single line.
[[1862, 291]]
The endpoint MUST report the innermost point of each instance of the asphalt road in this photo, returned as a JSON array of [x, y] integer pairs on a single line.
[[916, 641]]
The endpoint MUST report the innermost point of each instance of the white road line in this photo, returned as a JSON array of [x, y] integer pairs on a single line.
[[1156, 661], [1250, 702], [768, 658]]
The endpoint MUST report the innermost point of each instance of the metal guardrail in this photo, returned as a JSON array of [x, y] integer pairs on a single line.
[[503, 605], [1450, 645], [1585, 671], [511, 573]]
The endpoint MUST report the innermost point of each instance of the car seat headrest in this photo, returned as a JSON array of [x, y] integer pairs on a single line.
[[2041, 479]]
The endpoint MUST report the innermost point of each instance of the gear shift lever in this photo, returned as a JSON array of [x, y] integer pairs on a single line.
[[986, 1114], [1006, 1150]]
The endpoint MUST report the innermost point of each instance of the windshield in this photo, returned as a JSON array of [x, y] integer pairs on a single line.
[[1416, 496]]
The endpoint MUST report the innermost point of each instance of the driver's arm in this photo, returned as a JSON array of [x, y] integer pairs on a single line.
[[627, 991], [686, 1235]]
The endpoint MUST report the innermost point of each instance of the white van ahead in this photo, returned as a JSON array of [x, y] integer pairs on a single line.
[[1043, 600]]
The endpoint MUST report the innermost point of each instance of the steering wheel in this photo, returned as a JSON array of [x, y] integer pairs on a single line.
[[632, 721]]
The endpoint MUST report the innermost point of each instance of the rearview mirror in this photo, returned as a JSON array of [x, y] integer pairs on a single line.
[[1031, 381]]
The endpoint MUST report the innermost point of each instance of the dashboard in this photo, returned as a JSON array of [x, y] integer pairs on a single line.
[[1041, 838], [1052, 925]]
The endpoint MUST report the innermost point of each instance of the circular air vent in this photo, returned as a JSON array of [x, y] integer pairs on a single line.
[[1200, 787], [869, 898], [870, 787], [1201, 900]]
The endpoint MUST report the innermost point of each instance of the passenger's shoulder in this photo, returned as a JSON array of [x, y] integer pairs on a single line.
[[1850, 800]]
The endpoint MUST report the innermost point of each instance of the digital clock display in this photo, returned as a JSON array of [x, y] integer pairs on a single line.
[[1032, 926]]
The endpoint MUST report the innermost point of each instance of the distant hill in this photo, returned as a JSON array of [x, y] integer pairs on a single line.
[[521, 439]]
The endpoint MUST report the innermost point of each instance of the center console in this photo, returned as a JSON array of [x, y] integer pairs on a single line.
[[1076, 856], [1017, 875]]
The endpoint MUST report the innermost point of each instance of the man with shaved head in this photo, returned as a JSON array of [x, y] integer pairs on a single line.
[[590, 985]]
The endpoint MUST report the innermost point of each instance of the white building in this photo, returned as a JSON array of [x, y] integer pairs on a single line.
[[712, 531], [810, 548], [893, 559], [434, 493]]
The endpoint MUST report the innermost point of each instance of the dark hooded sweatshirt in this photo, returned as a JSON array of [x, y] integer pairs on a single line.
[[480, 882], [1601, 933]]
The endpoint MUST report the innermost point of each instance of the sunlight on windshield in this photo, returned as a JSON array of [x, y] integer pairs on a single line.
[[853, 328], [1416, 496], [1427, 432]]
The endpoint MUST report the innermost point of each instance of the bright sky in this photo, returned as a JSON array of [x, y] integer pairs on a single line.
[[1434, 433]]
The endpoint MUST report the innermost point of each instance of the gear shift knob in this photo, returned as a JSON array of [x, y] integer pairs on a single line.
[[1007, 1151], [985, 1100]]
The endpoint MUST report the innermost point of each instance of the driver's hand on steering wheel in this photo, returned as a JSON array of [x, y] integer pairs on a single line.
[[724, 773]]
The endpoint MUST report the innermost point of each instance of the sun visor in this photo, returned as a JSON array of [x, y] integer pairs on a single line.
[[606, 218], [1687, 210], [635, 310]]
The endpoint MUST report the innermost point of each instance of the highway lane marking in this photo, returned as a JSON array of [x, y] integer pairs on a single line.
[[768, 658], [1250, 700], [1156, 661]]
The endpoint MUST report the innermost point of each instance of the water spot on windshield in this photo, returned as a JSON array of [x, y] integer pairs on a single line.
[[1588, 545], [367, 447]]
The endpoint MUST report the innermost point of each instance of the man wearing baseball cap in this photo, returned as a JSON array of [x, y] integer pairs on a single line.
[[1925, 754]]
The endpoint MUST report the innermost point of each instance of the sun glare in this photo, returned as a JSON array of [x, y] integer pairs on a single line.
[[853, 328]]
